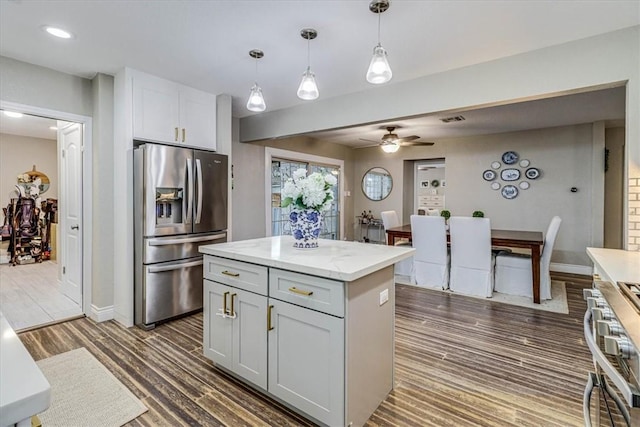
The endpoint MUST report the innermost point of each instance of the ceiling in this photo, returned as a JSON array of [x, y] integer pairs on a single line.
[[32, 126], [205, 44]]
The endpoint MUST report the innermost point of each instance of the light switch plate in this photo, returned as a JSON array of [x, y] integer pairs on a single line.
[[384, 296]]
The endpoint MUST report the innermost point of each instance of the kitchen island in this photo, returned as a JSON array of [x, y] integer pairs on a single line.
[[313, 329]]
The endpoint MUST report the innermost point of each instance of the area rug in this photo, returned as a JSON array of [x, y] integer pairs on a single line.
[[85, 393], [557, 303]]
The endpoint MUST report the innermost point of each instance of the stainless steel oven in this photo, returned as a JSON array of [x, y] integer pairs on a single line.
[[612, 333]]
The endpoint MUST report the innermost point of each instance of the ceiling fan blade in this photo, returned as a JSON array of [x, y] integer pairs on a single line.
[[375, 144], [412, 143], [408, 138], [369, 140]]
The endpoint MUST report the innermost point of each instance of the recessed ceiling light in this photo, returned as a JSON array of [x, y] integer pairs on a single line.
[[13, 114], [53, 128], [58, 32]]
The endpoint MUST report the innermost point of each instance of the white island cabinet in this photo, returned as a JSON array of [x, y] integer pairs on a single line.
[[312, 328]]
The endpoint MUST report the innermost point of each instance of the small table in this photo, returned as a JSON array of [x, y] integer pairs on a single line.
[[509, 238]]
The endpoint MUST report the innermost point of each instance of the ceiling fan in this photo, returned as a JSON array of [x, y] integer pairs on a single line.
[[390, 142]]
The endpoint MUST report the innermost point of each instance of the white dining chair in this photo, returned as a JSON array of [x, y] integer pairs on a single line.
[[471, 257], [513, 271], [431, 259], [389, 220]]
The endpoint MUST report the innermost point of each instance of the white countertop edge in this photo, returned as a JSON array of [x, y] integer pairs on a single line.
[[24, 391], [348, 265], [618, 264]]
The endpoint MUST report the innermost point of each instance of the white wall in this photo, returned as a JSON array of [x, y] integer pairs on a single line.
[[30, 84], [18, 154]]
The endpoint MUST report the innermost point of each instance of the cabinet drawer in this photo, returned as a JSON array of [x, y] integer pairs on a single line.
[[312, 292], [435, 203], [239, 274]]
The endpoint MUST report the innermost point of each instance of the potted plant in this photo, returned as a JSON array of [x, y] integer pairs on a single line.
[[478, 214], [445, 214]]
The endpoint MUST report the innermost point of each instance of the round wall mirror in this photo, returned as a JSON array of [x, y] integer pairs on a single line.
[[377, 184]]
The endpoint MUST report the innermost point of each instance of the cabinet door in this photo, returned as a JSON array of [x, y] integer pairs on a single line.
[[155, 109], [197, 118], [306, 361], [218, 330], [250, 336]]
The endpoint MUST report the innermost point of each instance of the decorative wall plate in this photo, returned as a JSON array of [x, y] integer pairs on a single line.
[[435, 183], [509, 157], [524, 163], [489, 175], [509, 192], [524, 185], [510, 174], [496, 165], [532, 173], [495, 185]]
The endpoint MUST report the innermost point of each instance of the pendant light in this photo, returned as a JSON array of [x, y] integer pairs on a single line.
[[308, 89], [256, 100], [379, 70]]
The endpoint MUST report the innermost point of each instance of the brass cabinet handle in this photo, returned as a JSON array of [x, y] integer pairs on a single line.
[[228, 273], [233, 311], [184, 134], [224, 302], [269, 326], [176, 134], [300, 291]]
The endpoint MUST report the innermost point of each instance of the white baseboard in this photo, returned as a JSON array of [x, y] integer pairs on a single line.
[[571, 268], [101, 314]]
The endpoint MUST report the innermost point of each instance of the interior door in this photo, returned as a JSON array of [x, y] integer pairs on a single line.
[[70, 142]]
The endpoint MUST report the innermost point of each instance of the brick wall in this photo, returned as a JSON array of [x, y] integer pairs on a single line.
[[634, 214]]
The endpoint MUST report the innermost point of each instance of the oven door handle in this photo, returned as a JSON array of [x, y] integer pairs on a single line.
[[607, 367]]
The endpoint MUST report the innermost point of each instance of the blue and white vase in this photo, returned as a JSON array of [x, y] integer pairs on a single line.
[[305, 228]]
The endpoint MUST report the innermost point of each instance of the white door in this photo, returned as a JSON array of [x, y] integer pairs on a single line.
[[70, 142]]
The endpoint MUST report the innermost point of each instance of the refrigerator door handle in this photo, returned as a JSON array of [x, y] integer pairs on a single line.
[[166, 242], [171, 267], [199, 184], [189, 192]]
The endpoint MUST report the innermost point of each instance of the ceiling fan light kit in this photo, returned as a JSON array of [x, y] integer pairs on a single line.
[[308, 89], [256, 100], [391, 142], [379, 71], [390, 147]]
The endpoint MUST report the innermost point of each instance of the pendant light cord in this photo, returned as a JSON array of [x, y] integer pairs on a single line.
[[256, 79], [379, 12], [308, 52]]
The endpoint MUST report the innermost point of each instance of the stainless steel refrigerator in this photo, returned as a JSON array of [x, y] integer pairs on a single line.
[[180, 203]]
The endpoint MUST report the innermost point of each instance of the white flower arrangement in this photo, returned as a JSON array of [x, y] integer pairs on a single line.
[[308, 192]]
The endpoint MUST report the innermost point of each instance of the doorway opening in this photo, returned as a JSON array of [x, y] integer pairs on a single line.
[[280, 165], [41, 189]]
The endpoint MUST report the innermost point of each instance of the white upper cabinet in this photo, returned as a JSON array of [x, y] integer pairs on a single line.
[[165, 111]]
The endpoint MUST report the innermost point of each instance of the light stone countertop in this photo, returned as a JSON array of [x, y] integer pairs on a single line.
[[618, 265], [24, 390], [333, 259]]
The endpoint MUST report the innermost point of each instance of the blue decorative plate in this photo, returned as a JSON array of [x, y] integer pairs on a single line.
[[509, 192], [510, 157], [510, 174], [532, 173], [489, 175]]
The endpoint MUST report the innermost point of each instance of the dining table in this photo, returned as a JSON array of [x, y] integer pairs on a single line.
[[532, 240]]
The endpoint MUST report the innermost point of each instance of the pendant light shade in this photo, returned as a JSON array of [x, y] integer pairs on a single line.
[[379, 70], [256, 100], [308, 89]]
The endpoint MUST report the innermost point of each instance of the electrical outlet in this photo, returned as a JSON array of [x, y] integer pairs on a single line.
[[384, 296]]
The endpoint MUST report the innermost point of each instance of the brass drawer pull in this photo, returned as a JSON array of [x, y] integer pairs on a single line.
[[184, 134], [224, 303], [300, 291], [228, 273], [176, 137], [269, 325], [233, 311]]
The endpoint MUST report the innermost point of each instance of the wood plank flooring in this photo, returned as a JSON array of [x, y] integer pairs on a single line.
[[459, 362]]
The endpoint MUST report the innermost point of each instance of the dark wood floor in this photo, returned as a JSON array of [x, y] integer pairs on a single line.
[[459, 362]]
